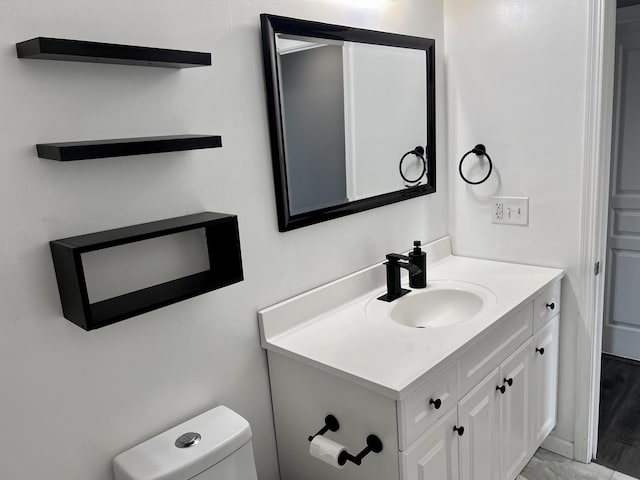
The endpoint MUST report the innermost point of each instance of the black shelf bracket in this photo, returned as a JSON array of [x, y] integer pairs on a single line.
[[225, 268], [46, 48], [122, 147]]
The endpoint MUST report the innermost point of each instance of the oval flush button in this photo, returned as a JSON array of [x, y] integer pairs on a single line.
[[188, 440]]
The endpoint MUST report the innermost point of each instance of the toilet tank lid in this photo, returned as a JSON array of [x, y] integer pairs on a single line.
[[222, 432]]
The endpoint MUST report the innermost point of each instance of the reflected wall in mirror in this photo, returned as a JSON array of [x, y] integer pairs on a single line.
[[345, 106]]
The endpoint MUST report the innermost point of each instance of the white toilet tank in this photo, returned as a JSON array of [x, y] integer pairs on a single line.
[[215, 445]]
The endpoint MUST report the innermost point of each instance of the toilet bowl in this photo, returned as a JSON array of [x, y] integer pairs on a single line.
[[215, 445]]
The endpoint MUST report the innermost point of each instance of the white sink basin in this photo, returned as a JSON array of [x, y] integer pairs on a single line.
[[441, 304]]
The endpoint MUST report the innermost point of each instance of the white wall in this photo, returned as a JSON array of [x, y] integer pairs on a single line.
[[71, 400], [516, 73]]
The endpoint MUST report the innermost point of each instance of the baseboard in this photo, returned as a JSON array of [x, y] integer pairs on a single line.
[[559, 446]]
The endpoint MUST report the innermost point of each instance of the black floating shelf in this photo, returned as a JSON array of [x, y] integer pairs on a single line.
[[45, 48], [121, 147], [223, 246]]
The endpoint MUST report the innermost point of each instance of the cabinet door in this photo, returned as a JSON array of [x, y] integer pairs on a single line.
[[515, 417], [544, 381], [479, 414], [433, 456]]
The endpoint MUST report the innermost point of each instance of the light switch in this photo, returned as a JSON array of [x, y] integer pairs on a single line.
[[510, 210]]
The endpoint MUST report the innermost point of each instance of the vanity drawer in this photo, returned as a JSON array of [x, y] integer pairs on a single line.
[[546, 306], [424, 407], [488, 353]]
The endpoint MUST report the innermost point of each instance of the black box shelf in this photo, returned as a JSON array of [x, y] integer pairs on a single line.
[[225, 268], [46, 48], [121, 147]]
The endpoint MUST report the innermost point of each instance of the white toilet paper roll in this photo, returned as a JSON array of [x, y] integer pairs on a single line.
[[326, 450]]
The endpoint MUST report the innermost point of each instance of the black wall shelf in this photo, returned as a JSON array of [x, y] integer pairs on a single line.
[[45, 48], [121, 147], [225, 268]]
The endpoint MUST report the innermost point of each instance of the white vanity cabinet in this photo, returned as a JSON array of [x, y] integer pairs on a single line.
[[480, 414], [505, 417], [495, 417]]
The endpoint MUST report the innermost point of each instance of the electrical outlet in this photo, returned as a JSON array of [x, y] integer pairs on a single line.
[[510, 210]]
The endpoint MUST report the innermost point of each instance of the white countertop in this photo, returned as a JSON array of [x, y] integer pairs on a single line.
[[385, 356]]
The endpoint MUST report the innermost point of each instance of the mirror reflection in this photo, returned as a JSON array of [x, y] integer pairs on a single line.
[[350, 112]]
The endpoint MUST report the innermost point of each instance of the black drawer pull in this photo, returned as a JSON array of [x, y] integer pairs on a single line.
[[460, 430], [501, 389], [508, 381], [540, 350], [437, 403], [551, 306]]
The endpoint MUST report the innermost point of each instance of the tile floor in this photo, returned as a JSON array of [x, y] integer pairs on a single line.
[[548, 466]]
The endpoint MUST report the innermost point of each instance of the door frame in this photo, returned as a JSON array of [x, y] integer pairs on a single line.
[[595, 201]]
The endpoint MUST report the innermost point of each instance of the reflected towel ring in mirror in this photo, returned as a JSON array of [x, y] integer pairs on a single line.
[[479, 150], [418, 152]]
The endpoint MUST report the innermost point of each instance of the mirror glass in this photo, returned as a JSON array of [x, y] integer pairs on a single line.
[[351, 115]]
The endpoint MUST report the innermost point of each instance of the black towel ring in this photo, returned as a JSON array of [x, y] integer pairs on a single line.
[[418, 152], [479, 150]]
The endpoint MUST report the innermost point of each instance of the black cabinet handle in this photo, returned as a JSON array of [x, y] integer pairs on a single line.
[[437, 403], [502, 389], [551, 306], [460, 430], [540, 350], [508, 381]]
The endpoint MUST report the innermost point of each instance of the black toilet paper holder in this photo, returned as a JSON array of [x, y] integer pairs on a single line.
[[330, 424], [374, 444]]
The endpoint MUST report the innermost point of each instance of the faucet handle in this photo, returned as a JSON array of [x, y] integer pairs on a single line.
[[394, 257]]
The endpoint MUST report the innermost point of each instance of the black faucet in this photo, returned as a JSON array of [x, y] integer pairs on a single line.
[[393, 263]]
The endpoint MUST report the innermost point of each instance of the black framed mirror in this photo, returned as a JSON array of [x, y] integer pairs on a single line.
[[351, 117]]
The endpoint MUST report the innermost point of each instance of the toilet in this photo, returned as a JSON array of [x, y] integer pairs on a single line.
[[215, 445]]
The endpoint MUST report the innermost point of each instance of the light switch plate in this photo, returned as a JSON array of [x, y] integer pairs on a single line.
[[510, 210]]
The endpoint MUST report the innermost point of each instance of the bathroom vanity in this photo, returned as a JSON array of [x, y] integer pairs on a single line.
[[458, 380]]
